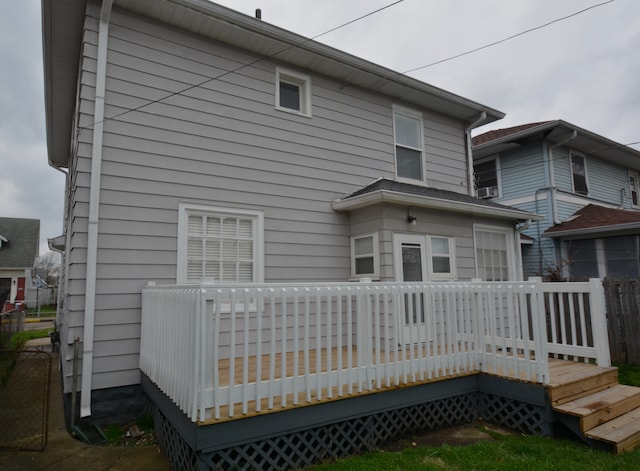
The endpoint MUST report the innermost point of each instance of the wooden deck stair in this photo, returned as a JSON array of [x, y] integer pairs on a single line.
[[600, 411]]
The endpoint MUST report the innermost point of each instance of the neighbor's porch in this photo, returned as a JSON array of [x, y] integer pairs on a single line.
[[222, 353]]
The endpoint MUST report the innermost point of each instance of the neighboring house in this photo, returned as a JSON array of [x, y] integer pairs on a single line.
[[585, 186], [19, 240], [205, 145]]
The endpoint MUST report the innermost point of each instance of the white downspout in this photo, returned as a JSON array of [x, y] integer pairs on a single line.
[[94, 206], [519, 228], [467, 134], [552, 180]]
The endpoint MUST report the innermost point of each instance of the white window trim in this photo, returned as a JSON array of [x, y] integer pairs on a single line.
[[498, 173], [573, 153], [424, 240], [376, 258], [511, 250], [258, 242], [451, 275], [416, 115], [302, 81], [634, 174]]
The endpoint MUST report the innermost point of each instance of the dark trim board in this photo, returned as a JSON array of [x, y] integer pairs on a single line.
[[305, 435]]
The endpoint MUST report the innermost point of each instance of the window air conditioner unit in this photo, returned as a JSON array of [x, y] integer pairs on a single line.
[[487, 192]]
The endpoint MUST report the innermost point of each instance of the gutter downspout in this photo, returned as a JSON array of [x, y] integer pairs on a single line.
[[94, 206], [519, 228], [467, 132], [552, 180]]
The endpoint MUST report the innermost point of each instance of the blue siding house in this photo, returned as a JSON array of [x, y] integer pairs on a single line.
[[586, 187]]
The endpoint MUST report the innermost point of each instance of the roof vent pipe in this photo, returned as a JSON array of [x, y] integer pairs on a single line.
[[258, 14]]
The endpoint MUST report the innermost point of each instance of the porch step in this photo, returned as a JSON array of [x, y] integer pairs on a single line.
[[602, 406], [580, 381], [623, 432]]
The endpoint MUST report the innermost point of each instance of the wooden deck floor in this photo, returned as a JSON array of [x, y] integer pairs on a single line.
[[270, 366]]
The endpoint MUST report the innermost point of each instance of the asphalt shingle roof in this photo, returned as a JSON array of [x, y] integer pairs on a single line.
[[23, 236], [500, 133], [593, 216], [419, 190]]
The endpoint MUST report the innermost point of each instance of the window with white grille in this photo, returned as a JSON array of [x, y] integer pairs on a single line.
[[495, 257], [219, 245]]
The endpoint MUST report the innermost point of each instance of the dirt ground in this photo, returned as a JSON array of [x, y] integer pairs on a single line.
[[454, 436]]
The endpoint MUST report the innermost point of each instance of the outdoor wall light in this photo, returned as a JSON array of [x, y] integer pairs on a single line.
[[411, 219]]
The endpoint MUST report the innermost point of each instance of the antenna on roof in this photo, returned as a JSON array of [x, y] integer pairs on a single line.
[[258, 13]]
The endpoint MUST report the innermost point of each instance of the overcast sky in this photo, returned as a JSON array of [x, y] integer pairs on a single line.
[[584, 69]]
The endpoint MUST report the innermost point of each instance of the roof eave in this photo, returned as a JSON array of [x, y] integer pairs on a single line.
[[394, 197], [631, 226]]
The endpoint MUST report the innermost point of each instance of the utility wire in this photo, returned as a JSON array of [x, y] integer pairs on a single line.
[[507, 38], [229, 72]]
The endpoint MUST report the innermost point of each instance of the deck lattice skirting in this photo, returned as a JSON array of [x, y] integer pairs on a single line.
[[301, 437]]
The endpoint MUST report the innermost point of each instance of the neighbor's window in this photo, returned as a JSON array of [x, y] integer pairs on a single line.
[[364, 256], [293, 92], [486, 176], [579, 172], [219, 245], [622, 256], [633, 184], [583, 259], [494, 254], [442, 257], [407, 127]]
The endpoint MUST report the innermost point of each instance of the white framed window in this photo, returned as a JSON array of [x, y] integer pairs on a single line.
[[365, 256], [408, 143], [579, 173], [293, 92], [495, 253], [634, 188], [442, 255], [487, 177], [420, 257], [219, 245]]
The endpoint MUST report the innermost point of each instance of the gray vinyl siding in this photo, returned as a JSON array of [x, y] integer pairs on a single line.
[[219, 143]]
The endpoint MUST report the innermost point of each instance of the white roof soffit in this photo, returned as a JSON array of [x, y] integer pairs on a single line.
[[586, 142], [62, 27], [394, 197]]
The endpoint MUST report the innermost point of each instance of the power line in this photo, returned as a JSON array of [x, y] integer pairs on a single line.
[[507, 38], [229, 72]]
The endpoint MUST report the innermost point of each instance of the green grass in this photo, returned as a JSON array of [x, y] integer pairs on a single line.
[[19, 339], [628, 374], [117, 433], [506, 453]]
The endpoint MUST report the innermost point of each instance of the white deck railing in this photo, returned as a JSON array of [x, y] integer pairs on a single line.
[[220, 351]]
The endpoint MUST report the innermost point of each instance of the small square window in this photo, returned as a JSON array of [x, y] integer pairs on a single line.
[[364, 256], [442, 259], [293, 92]]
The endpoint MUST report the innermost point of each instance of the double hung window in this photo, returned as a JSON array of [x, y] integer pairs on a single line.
[[408, 131], [494, 253], [633, 188], [579, 174], [365, 256]]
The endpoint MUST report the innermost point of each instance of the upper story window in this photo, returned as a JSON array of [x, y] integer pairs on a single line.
[[293, 92], [219, 245], [579, 173], [487, 176], [408, 131], [633, 188], [365, 258]]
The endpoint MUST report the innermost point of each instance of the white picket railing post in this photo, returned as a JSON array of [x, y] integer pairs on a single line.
[[599, 322], [539, 323]]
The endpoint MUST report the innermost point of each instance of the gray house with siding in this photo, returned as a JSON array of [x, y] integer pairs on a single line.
[[203, 145]]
